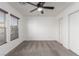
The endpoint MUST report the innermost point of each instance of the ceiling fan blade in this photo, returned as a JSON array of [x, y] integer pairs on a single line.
[[31, 4], [46, 7], [42, 12], [42, 3], [33, 10]]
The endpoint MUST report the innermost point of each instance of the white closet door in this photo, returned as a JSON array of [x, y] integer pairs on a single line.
[[74, 32]]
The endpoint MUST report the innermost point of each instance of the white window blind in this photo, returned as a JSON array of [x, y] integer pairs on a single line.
[[2, 27], [14, 27]]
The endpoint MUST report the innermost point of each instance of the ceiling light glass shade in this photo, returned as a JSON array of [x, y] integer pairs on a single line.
[[40, 9]]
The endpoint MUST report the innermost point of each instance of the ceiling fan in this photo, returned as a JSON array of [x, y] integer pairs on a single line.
[[39, 6]]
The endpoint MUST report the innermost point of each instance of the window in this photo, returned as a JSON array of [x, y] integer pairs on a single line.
[[2, 27], [14, 27]]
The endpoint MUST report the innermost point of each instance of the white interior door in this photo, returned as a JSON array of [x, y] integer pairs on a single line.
[[74, 32], [61, 30]]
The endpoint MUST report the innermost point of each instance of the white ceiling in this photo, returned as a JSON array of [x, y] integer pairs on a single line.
[[25, 9]]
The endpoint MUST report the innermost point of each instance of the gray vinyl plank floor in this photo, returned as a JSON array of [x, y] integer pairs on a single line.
[[41, 48]]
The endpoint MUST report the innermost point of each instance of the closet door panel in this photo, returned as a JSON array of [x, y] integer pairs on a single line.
[[74, 32]]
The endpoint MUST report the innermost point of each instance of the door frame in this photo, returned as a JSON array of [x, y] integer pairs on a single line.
[[60, 31]]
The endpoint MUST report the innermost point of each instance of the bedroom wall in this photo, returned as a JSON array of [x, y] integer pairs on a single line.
[[41, 28], [66, 36], [5, 48]]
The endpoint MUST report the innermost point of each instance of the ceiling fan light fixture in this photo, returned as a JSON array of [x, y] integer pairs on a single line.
[[39, 9]]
